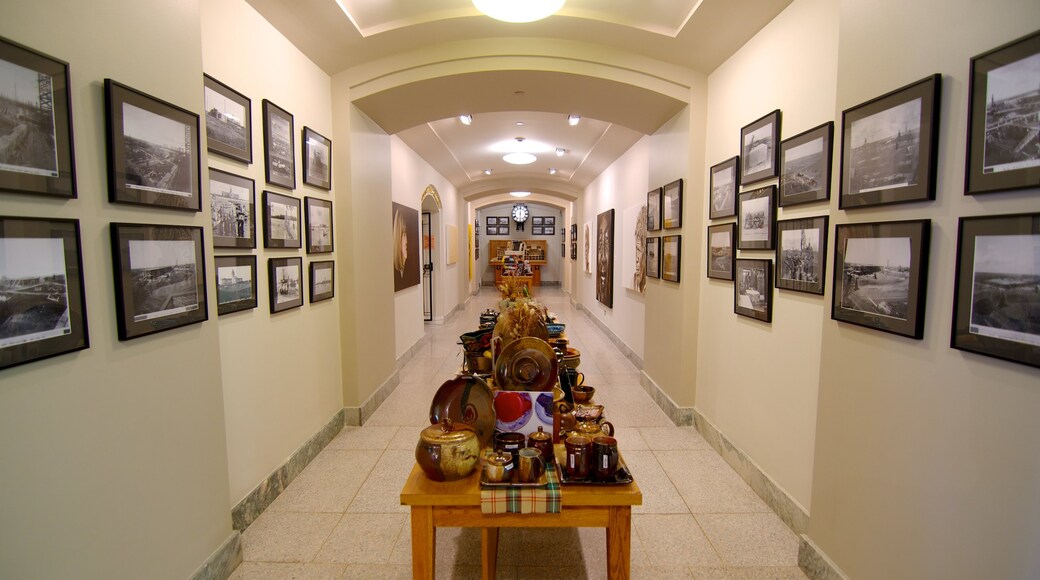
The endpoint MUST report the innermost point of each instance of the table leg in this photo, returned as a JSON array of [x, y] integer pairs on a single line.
[[488, 553], [619, 542], [424, 542]]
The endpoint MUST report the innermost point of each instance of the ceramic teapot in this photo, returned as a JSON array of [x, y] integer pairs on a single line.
[[589, 421]]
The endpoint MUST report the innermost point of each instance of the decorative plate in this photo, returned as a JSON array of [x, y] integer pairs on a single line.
[[466, 399], [526, 364]]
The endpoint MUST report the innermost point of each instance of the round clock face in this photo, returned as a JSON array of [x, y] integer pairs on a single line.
[[520, 213]]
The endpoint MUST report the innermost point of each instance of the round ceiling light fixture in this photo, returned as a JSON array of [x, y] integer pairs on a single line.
[[519, 193], [519, 158], [518, 10]]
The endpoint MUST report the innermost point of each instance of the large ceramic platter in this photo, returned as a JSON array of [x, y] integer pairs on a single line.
[[526, 364], [466, 399]]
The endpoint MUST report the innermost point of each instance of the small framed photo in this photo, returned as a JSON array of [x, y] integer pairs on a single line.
[[319, 225], [153, 150], [721, 251], [504, 221], [41, 114], [492, 230], [653, 209], [233, 208], [229, 121], [653, 257], [43, 310], [1002, 100], [492, 220], [317, 159], [724, 180], [285, 283], [757, 219], [536, 230], [889, 147], [880, 274], [801, 254], [536, 221], [996, 300], [503, 230], [758, 149], [322, 280], [281, 221], [671, 258], [236, 283], [753, 289], [280, 163], [549, 230], [671, 202], [550, 220], [805, 166], [160, 278]]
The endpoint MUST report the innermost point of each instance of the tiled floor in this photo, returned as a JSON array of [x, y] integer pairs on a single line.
[[342, 518]]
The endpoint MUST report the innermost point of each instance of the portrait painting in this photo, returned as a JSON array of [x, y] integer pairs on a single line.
[[406, 247]]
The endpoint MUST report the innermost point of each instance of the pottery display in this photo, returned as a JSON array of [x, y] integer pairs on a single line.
[[526, 364], [448, 451], [530, 465], [466, 399], [582, 393], [498, 466], [579, 456], [604, 458], [542, 441]]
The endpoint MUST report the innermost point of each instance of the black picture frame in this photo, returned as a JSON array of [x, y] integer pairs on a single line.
[[801, 254], [756, 220], [491, 220], [549, 221], [536, 220], [279, 146], [285, 283], [51, 168], [723, 183], [229, 121], [536, 230], [281, 221], [323, 280], [899, 129], [236, 283], [805, 166], [492, 230], [671, 253], [653, 257], [160, 278], [722, 250], [759, 153], [893, 302], [990, 165], [153, 150], [549, 230], [653, 209], [995, 299], [233, 209], [672, 205], [42, 286], [504, 221], [574, 241], [503, 230], [317, 159], [753, 289], [319, 225]]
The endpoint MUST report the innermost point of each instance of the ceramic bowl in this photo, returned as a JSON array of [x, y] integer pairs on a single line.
[[582, 393]]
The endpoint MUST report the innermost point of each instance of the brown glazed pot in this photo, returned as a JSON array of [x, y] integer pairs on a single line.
[[448, 451], [542, 441]]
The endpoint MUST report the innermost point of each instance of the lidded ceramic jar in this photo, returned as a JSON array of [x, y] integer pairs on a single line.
[[542, 441], [448, 451]]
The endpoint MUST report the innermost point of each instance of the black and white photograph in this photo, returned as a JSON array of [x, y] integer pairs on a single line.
[[503, 230], [319, 225], [536, 221], [653, 210], [574, 241], [536, 230], [492, 230], [280, 163], [281, 221], [317, 159], [653, 257], [671, 258], [801, 254], [285, 283], [228, 121], [550, 221], [753, 289], [42, 306], [504, 221], [758, 148], [888, 152], [322, 284], [671, 204], [236, 283], [549, 230], [805, 166], [997, 293], [1003, 145], [757, 217], [723, 182], [233, 207], [721, 251]]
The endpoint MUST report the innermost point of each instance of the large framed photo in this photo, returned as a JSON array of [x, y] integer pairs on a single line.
[[889, 147], [153, 150], [671, 258], [285, 283], [805, 166], [229, 121], [1002, 118], [653, 209], [605, 258], [753, 289], [653, 257], [723, 181], [801, 254], [757, 219], [322, 282], [42, 302], [281, 221], [880, 275], [236, 283], [671, 204], [36, 155], [317, 159], [233, 208], [721, 246], [758, 149], [996, 300], [279, 161], [406, 246], [319, 225], [160, 278]]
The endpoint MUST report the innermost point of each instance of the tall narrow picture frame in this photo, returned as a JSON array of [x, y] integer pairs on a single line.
[[233, 209], [279, 146], [671, 258], [753, 289], [758, 149], [653, 257], [605, 258], [319, 225], [281, 221], [805, 166], [722, 245], [672, 204], [317, 159], [323, 284], [229, 121], [41, 115], [653, 209], [285, 283], [801, 254], [236, 283], [756, 226], [574, 241], [723, 183]]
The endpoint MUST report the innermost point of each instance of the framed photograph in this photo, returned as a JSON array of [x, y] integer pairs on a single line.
[[721, 246], [322, 283], [281, 221], [317, 159], [550, 221], [37, 104], [671, 258], [279, 145], [536, 221], [653, 209], [723, 182], [753, 289], [160, 278], [801, 254], [229, 121], [889, 147], [574, 241], [319, 225], [671, 202], [880, 275], [492, 220], [757, 219], [153, 150], [653, 257], [758, 149], [805, 166], [285, 283], [549, 230], [536, 230], [996, 301], [504, 221], [236, 283], [233, 208], [503, 230], [43, 310], [492, 230], [1002, 116], [605, 258]]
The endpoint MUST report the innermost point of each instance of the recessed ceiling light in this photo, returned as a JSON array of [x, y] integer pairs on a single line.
[[573, 120], [552, 171], [518, 10], [519, 158], [466, 119], [519, 123], [519, 193], [487, 172], [560, 151]]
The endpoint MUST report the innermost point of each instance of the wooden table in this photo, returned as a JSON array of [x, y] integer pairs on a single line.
[[456, 504]]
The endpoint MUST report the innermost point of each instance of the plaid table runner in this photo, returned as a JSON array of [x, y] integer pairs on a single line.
[[523, 500]]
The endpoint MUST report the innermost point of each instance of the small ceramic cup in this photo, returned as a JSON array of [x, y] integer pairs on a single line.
[[605, 458], [531, 465]]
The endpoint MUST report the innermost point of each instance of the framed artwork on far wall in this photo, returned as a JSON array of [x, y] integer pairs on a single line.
[[721, 251], [233, 210], [671, 204], [805, 166], [536, 230], [723, 183], [653, 257], [756, 226], [317, 159], [319, 225], [753, 289], [229, 121], [236, 283], [536, 221], [801, 254], [653, 210], [323, 286], [758, 149], [279, 146], [406, 264], [281, 221], [285, 283], [671, 258]]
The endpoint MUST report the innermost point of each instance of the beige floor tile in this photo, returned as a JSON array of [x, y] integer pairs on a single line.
[[672, 438], [406, 439], [284, 571], [707, 483], [710, 573], [367, 437], [377, 572], [381, 492], [362, 539], [674, 540], [286, 537], [661, 573], [751, 539], [630, 439], [558, 572], [659, 495], [329, 483]]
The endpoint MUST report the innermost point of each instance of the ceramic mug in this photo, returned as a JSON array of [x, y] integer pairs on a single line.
[[531, 465], [605, 458], [579, 456], [510, 443]]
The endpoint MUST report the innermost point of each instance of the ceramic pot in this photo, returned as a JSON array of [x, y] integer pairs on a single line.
[[448, 451], [541, 441], [498, 467], [582, 393]]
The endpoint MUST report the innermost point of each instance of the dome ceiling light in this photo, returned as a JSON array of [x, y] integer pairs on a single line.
[[519, 158], [518, 10], [519, 193]]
